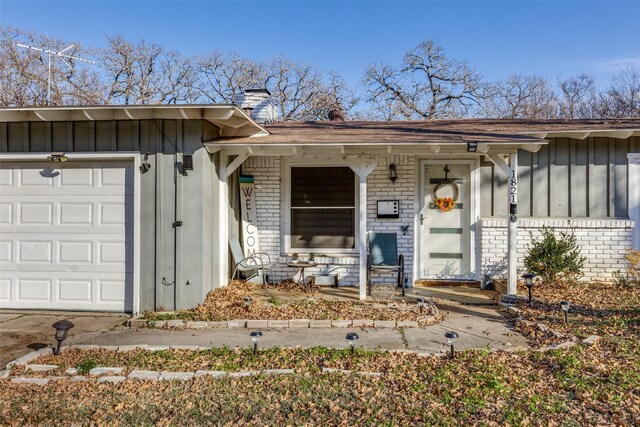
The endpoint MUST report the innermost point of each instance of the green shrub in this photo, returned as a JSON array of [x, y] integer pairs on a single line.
[[86, 365], [631, 276], [555, 258]]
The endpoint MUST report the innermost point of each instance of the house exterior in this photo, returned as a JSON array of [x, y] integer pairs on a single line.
[[139, 214]]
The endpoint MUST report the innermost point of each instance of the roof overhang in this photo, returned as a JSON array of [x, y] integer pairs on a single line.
[[584, 134], [254, 147], [232, 121]]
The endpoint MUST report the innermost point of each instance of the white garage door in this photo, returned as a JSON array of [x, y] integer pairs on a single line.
[[66, 235]]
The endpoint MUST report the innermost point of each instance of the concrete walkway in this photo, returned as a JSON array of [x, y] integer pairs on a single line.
[[478, 327], [23, 331]]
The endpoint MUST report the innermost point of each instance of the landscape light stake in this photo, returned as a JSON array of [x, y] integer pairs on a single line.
[[247, 302], [565, 305], [451, 340], [62, 329], [255, 337], [420, 302], [528, 281], [352, 337]]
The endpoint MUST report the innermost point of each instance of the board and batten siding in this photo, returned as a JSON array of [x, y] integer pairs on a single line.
[[184, 255], [567, 178]]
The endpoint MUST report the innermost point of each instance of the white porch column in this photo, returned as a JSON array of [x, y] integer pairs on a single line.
[[512, 225], [634, 196], [223, 221], [362, 236], [362, 166]]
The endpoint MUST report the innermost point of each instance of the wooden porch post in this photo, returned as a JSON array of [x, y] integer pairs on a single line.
[[512, 225], [223, 221], [362, 236], [362, 167]]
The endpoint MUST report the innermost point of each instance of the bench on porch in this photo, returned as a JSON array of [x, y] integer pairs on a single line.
[[382, 257]]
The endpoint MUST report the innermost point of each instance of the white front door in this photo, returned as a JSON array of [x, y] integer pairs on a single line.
[[66, 235], [445, 227]]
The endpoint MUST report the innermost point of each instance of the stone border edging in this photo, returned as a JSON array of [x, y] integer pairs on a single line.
[[269, 324]]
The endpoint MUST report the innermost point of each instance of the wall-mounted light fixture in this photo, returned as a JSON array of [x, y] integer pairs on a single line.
[[472, 147], [145, 166], [57, 158], [393, 173]]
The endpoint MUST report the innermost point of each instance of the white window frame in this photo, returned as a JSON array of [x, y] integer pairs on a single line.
[[285, 229]]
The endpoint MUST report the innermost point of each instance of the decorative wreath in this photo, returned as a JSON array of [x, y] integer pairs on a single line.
[[445, 204]]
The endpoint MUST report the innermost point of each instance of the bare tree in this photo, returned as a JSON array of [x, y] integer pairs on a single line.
[[142, 73], [24, 72], [222, 76], [622, 99], [521, 97], [578, 97], [427, 84], [334, 94]]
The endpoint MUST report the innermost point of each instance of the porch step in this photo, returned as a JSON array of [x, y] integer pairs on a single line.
[[466, 283]]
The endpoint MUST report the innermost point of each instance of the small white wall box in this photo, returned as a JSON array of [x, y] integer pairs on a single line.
[[324, 279], [388, 209]]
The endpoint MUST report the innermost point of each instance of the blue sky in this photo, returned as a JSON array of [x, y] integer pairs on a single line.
[[498, 38]]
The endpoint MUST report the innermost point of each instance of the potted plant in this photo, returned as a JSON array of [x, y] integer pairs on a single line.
[[294, 257], [312, 257]]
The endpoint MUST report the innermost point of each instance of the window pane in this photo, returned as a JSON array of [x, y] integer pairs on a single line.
[[322, 187], [323, 228]]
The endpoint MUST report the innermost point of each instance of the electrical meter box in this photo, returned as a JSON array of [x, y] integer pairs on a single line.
[[388, 209]]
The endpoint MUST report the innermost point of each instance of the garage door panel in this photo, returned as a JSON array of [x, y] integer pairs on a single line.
[[30, 289], [69, 290], [109, 253], [32, 213], [5, 291], [66, 235]]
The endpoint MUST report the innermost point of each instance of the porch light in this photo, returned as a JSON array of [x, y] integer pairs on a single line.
[[565, 305], [528, 281], [57, 158], [255, 338], [352, 337], [451, 337], [393, 173], [420, 302], [472, 147], [62, 329]]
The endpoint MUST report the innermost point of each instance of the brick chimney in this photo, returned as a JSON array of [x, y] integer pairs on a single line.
[[257, 104]]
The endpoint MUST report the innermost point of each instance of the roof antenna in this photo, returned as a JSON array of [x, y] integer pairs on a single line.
[[60, 55]]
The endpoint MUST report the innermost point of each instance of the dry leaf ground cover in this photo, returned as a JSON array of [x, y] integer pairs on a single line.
[[596, 308], [228, 303], [596, 385]]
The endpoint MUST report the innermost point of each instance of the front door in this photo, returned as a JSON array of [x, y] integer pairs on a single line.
[[445, 219]]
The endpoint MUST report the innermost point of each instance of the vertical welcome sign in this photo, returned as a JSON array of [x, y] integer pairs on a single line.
[[248, 213]]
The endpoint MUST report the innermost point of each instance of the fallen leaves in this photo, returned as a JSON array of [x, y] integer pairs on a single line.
[[230, 303]]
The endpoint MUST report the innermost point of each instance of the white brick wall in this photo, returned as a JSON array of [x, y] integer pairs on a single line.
[[603, 242], [266, 173]]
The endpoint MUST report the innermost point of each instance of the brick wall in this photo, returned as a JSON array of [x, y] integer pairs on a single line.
[[603, 242], [266, 173]]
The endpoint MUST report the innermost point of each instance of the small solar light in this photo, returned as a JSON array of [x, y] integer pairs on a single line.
[[565, 305], [255, 338], [451, 337], [247, 302], [528, 281], [352, 337], [420, 302], [62, 329]]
